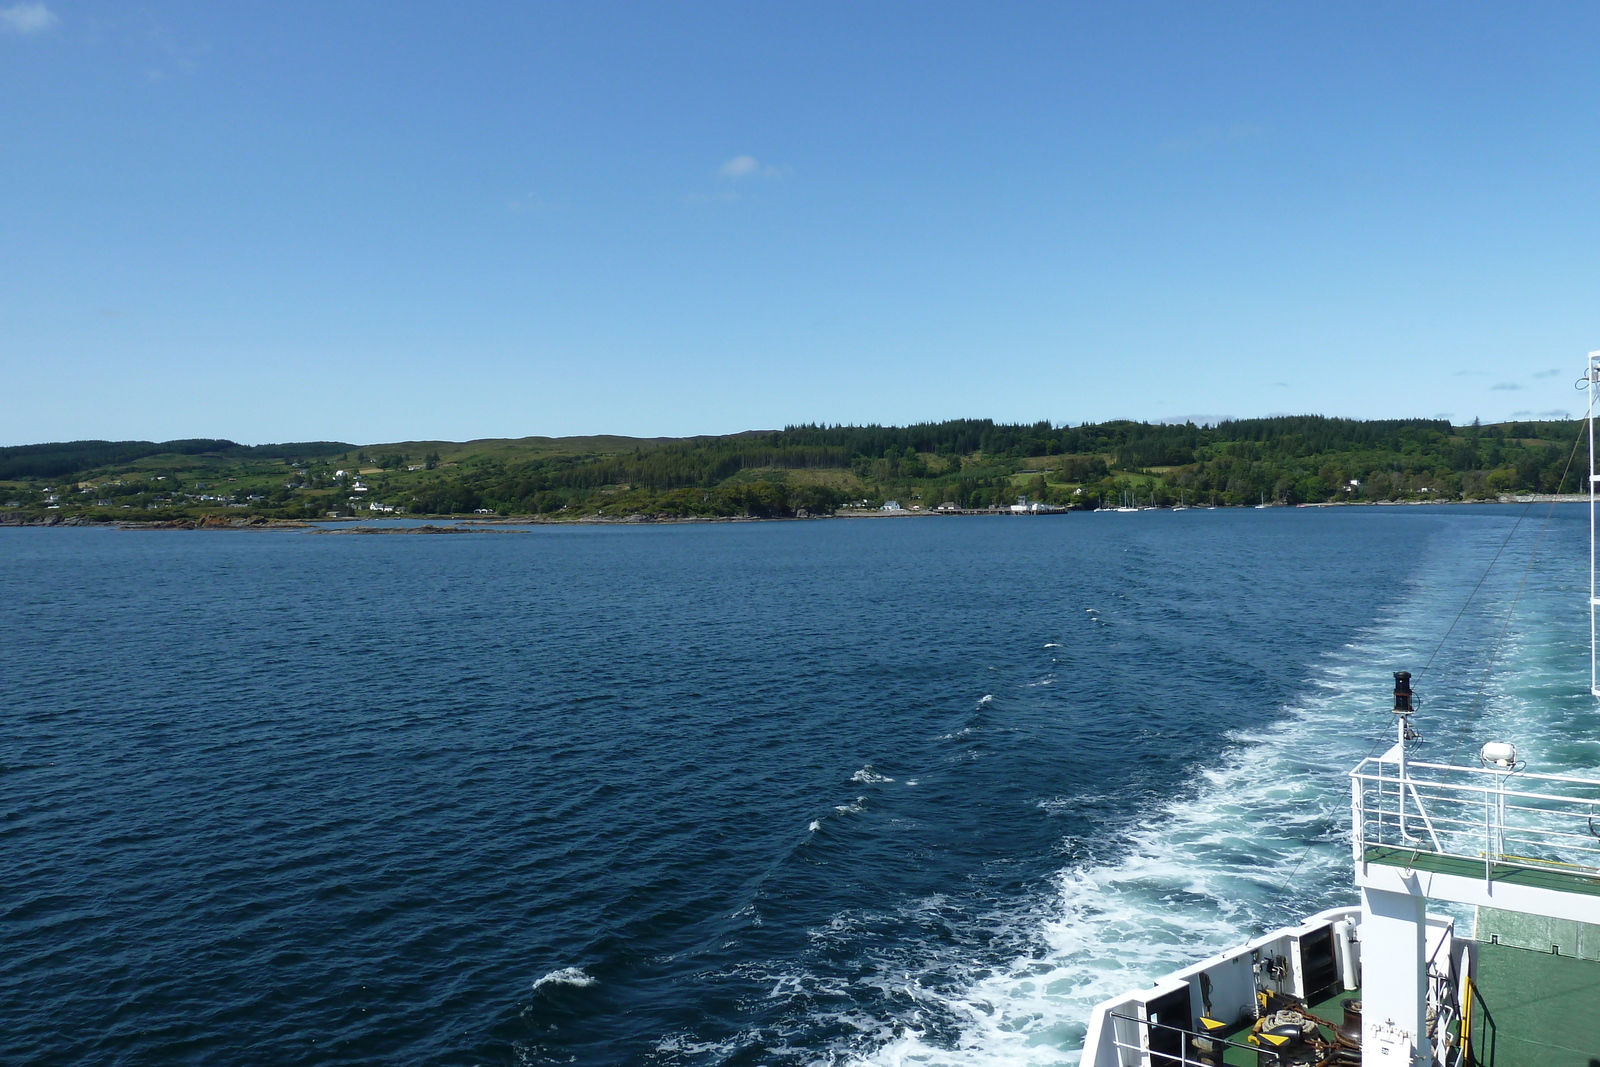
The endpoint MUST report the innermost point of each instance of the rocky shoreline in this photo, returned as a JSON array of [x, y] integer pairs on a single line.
[[210, 522], [426, 528]]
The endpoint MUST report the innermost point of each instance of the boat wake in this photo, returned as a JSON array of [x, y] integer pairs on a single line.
[[1261, 840]]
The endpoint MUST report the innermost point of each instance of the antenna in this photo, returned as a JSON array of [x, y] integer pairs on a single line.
[[1403, 710], [1593, 377]]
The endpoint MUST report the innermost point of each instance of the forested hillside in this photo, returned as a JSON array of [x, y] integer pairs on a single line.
[[970, 463]]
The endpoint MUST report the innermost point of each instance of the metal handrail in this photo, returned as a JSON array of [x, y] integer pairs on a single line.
[[1496, 779], [1183, 1055], [1484, 817], [1524, 794], [1490, 771]]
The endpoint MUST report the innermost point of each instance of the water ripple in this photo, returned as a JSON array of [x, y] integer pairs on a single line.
[[724, 794]]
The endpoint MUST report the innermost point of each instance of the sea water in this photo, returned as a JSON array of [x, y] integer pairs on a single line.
[[898, 791]]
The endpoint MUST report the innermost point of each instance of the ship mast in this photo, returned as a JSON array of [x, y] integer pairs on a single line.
[[1594, 602]]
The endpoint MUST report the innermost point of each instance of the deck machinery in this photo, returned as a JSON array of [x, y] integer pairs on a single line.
[[1387, 983]]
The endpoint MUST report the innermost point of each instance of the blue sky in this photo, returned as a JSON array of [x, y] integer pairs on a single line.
[[385, 221]]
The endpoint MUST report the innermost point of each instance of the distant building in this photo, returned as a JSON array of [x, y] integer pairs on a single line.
[[891, 505]]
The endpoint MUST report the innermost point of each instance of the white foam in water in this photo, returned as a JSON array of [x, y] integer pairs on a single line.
[[682, 1046], [572, 976], [1230, 860], [1203, 876], [867, 776]]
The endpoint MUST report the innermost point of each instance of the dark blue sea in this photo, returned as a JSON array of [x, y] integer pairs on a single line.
[[909, 791]]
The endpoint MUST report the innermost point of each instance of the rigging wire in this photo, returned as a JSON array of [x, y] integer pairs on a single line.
[[1482, 578], [1294, 871], [1499, 642], [1476, 708]]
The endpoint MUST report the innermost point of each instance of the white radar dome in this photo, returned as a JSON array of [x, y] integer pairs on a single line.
[[1499, 753]]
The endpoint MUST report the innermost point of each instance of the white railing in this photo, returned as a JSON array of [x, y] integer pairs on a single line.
[[1502, 818], [1135, 1041], [1448, 1050]]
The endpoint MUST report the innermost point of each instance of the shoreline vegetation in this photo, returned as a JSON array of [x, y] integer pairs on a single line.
[[961, 467]]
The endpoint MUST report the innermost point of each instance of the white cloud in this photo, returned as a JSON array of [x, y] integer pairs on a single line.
[[27, 18], [1505, 386], [1546, 373], [749, 167]]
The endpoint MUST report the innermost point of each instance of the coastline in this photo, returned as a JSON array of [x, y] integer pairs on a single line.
[[218, 522]]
